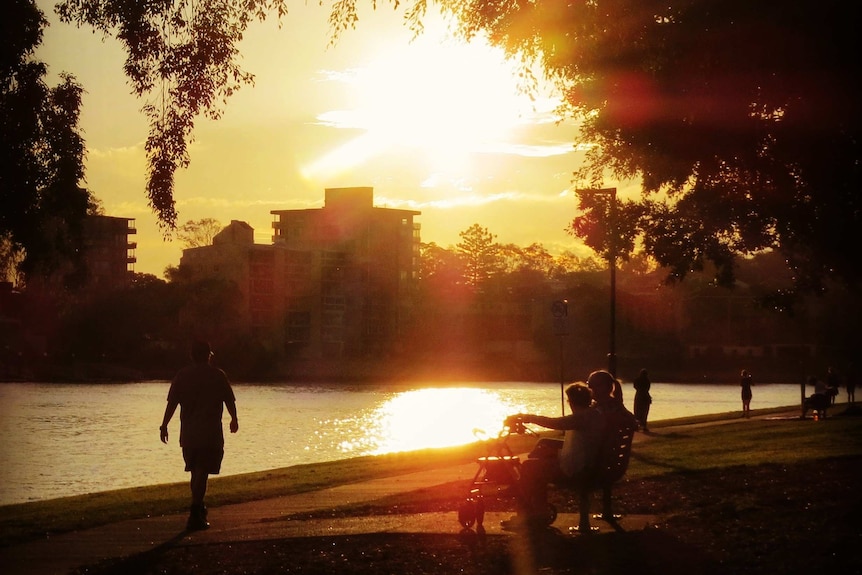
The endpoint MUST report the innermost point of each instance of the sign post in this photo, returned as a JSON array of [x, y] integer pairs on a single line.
[[560, 311]]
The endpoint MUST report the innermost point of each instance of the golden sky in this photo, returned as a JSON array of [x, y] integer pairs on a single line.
[[432, 124]]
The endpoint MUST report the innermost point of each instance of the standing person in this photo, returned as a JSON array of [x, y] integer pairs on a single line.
[[850, 382], [570, 460], [643, 399], [201, 391], [833, 382], [745, 382]]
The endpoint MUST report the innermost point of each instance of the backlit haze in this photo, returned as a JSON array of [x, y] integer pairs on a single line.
[[432, 124]]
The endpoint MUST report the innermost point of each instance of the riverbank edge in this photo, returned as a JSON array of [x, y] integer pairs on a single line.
[[22, 522]]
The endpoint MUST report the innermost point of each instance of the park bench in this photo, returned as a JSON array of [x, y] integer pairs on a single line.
[[613, 462], [501, 469]]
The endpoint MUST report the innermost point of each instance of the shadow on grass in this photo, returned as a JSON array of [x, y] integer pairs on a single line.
[[138, 564], [550, 552]]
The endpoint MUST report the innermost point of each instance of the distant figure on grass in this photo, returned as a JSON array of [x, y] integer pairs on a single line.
[[818, 402], [201, 390], [745, 382], [569, 461], [833, 383], [850, 382], [643, 399]]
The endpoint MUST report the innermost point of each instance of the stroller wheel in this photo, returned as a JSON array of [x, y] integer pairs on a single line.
[[467, 513]]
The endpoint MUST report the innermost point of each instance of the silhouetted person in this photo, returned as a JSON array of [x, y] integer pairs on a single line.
[[201, 390], [818, 401], [619, 421], [850, 382], [833, 382], [570, 461], [745, 382], [643, 399]]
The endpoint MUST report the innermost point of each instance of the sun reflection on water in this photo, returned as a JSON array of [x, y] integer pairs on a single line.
[[433, 417]]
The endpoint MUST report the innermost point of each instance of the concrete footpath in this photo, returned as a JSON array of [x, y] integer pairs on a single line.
[[267, 519]]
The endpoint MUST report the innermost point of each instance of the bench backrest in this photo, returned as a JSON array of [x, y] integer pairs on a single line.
[[616, 447]]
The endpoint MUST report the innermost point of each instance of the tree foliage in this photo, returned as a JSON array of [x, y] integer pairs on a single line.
[[740, 119], [11, 257], [481, 254], [42, 202], [196, 233], [182, 56]]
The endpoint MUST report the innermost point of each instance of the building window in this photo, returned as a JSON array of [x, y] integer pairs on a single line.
[[298, 328]]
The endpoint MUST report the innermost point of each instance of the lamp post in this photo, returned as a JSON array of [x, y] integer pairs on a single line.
[[611, 193]]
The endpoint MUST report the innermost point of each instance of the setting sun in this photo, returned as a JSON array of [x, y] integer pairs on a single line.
[[438, 98]]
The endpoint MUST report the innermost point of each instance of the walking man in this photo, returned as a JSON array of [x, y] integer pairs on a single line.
[[201, 391]]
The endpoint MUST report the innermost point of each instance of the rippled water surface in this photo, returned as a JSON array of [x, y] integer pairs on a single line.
[[69, 439]]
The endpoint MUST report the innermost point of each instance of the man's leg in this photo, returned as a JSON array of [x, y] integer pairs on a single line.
[[198, 512], [198, 485]]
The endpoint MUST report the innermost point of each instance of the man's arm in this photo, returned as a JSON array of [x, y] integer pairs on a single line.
[[234, 422], [170, 408]]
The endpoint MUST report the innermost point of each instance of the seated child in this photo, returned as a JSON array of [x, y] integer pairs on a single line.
[[570, 460]]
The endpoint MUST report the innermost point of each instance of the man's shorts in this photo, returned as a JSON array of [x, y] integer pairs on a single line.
[[206, 458]]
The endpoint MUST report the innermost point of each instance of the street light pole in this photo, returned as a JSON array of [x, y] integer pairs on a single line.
[[612, 354], [611, 193]]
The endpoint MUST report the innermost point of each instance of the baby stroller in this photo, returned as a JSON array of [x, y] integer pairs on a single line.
[[498, 473], [817, 402]]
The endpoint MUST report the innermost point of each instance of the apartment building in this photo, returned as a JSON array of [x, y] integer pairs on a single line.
[[109, 254], [337, 282]]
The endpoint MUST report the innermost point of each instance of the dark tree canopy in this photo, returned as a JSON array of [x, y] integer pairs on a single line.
[[739, 116], [42, 202]]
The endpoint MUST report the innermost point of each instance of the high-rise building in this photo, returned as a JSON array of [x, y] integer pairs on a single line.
[[337, 282]]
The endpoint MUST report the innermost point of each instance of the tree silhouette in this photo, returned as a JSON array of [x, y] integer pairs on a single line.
[[739, 118], [42, 204], [196, 233], [481, 254], [181, 56]]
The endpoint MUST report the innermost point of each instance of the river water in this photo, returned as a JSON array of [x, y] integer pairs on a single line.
[[71, 439]]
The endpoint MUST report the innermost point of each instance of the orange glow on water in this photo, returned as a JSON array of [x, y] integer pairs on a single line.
[[437, 417]]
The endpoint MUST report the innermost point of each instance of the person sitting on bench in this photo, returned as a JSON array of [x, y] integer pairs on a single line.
[[568, 461], [620, 425]]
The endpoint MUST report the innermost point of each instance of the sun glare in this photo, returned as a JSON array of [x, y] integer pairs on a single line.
[[438, 417], [440, 97]]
